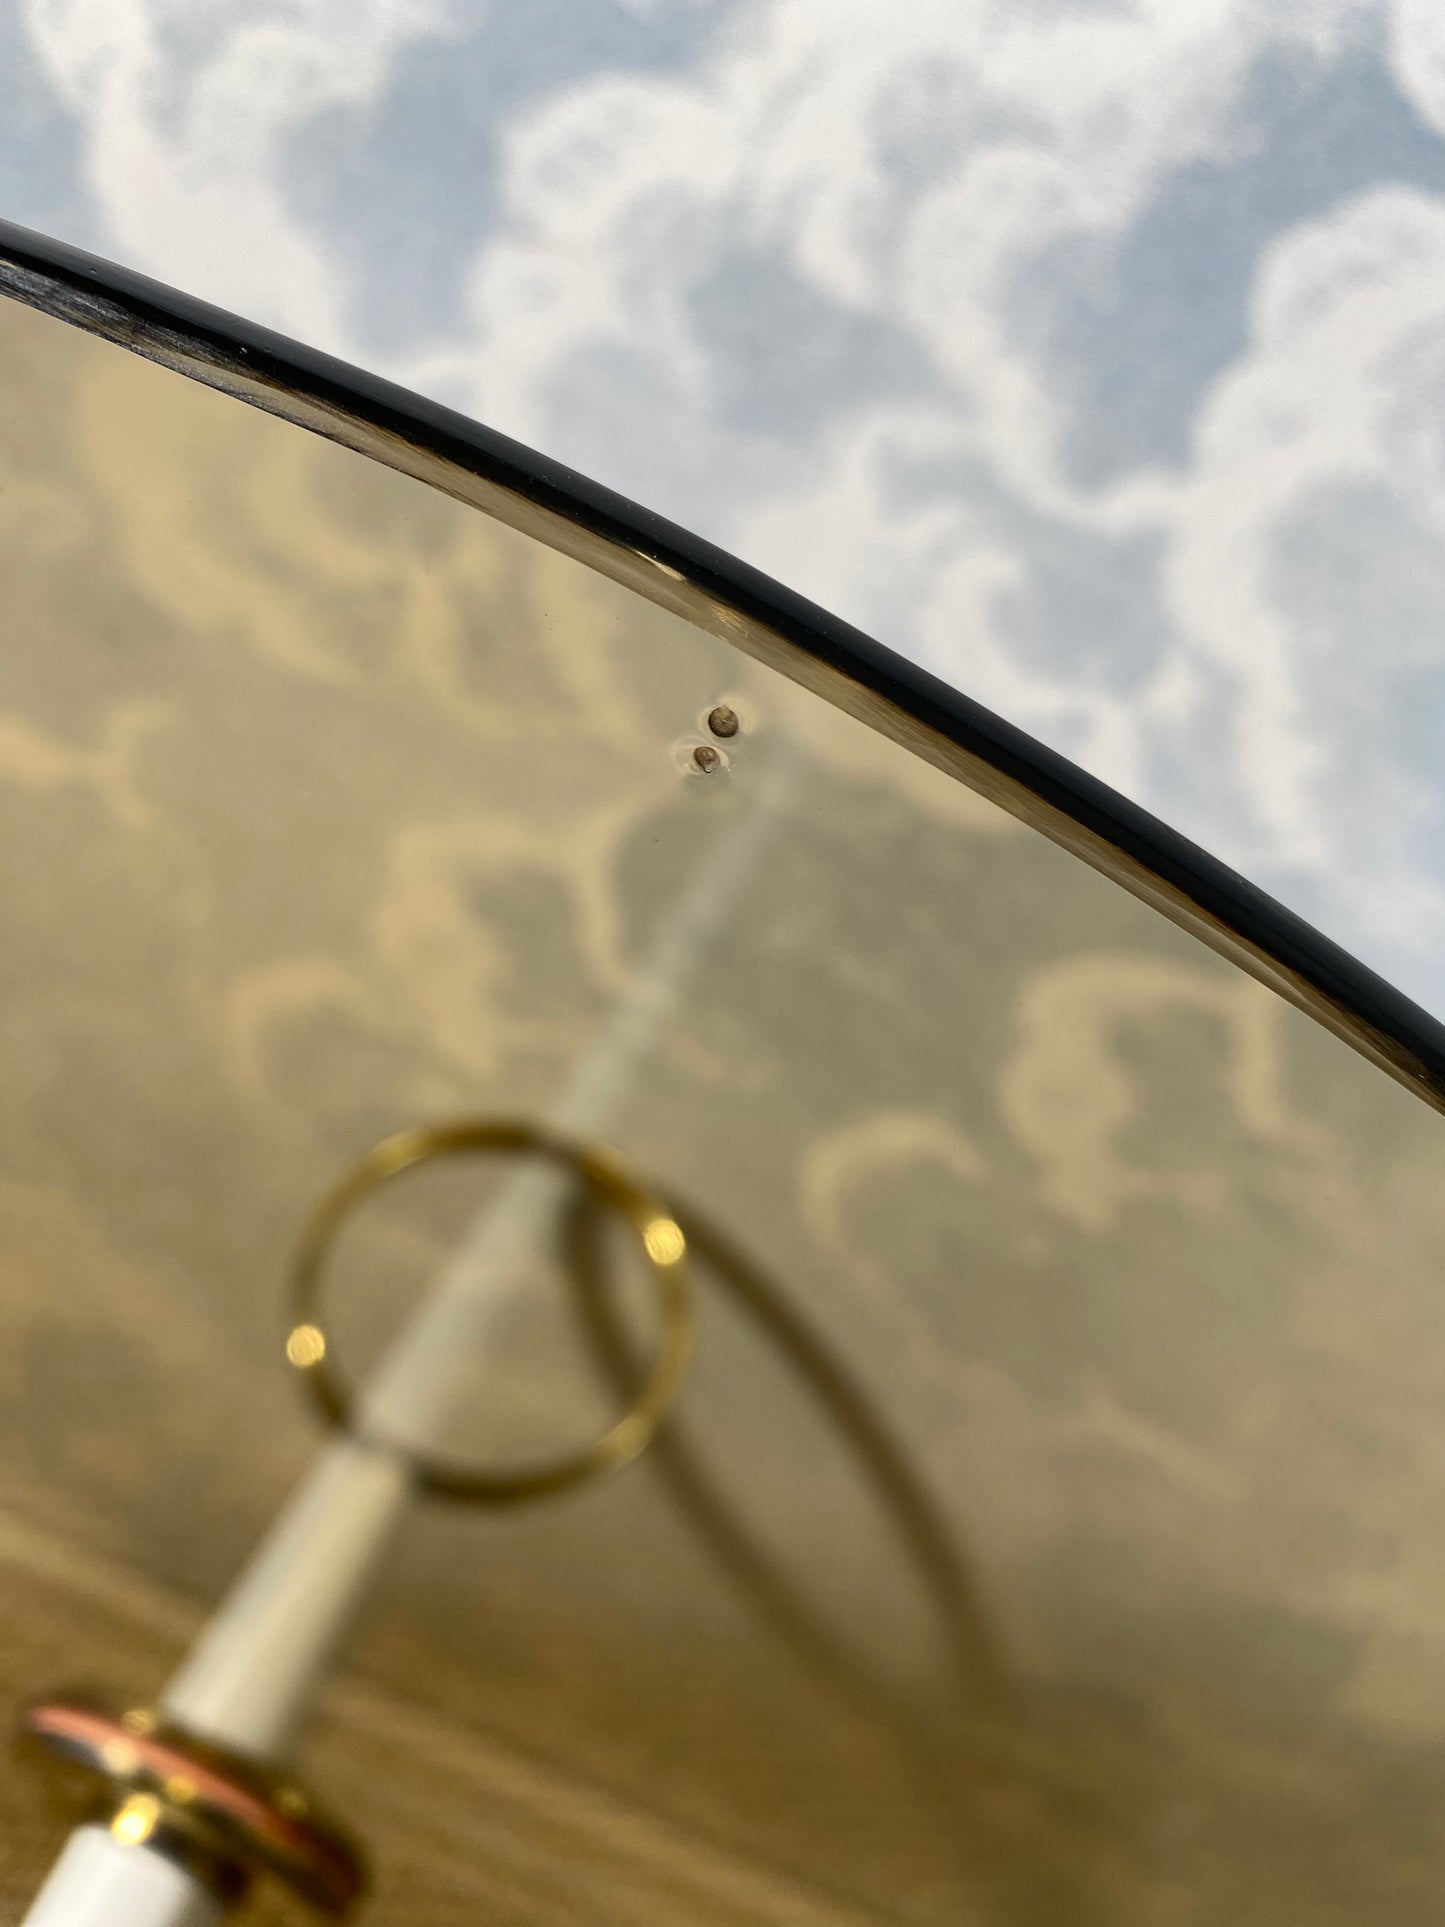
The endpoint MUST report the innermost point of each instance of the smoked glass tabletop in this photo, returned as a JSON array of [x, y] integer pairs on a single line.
[[1051, 1529]]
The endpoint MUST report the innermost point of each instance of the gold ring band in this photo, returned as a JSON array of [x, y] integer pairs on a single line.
[[611, 1182]]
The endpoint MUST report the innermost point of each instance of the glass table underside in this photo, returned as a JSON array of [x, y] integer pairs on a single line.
[[1109, 1587]]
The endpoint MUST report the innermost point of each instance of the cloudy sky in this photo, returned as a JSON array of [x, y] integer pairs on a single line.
[[1092, 353]]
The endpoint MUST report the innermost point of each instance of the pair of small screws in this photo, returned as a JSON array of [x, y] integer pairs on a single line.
[[723, 722]]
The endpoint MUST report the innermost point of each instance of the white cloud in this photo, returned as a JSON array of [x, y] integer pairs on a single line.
[[187, 115], [1340, 391]]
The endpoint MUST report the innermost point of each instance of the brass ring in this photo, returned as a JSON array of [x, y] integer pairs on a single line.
[[611, 1182]]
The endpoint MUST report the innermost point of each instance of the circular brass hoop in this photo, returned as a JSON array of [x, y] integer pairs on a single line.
[[613, 1185]]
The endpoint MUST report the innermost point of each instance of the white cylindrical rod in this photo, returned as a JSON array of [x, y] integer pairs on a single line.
[[250, 1678], [295, 1601], [100, 1881]]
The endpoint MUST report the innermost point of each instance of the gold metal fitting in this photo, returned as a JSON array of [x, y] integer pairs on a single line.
[[219, 1815], [614, 1186]]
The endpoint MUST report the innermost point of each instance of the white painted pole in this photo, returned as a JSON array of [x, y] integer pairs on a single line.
[[99, 1881], [248, 1680]]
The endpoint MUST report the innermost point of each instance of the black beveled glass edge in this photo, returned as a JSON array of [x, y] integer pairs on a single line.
[[858, 674]]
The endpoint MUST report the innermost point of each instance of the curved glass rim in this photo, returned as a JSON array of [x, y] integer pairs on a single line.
[[726, 597]]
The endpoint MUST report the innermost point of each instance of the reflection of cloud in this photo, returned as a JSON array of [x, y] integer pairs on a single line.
[[235, 546], [34, 759], [1069, 1093], [460, 969], [878, 1146]]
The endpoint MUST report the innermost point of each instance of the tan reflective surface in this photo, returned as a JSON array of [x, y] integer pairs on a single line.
[[1052, 1533]]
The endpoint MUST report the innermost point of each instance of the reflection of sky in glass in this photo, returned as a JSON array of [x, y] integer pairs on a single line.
[[1092, 354]]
